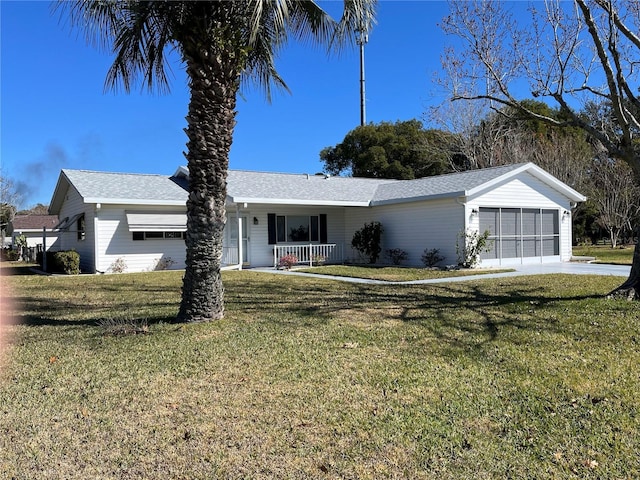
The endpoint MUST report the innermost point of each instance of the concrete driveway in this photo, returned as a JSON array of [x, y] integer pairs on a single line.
[[574, 268]]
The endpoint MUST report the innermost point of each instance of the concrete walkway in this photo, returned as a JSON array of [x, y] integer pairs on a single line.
[[574, 268]]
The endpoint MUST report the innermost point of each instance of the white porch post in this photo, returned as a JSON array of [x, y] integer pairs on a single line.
[[240, 252]]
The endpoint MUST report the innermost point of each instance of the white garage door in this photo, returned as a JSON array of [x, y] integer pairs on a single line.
[[521, 233]]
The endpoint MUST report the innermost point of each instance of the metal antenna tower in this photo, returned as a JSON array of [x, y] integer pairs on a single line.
[[362, 37]]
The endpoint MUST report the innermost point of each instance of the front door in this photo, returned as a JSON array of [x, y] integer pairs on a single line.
[[233, 236]]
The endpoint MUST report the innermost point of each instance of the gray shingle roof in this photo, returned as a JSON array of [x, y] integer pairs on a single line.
[[451, 184], [124, 187], [286, 188], [261, 187]]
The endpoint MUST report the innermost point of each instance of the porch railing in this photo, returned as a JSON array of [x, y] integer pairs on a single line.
[[312, 254], [229, 255]]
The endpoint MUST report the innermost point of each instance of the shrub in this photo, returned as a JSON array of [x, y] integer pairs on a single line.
[[367, 240], [12, 255], [473, 244], [119, 265], [164, 263], [287, 261], [431, 257], [20, 241], [67, 262], [319, 260], [397, 255]]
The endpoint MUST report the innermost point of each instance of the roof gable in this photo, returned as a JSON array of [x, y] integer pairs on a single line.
[[118, 188]]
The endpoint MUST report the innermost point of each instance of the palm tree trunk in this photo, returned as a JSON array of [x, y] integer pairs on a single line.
[[630, 289], [211, 119]]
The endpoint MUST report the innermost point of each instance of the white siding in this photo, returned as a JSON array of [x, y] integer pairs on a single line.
[[413, 227], [35, 238], [115, 241], [68, 240], [523, 191]]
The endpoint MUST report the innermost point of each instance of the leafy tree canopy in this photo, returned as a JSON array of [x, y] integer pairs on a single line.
[[38, 209], [401, 150]]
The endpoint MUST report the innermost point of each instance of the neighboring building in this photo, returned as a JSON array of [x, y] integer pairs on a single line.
[[36, 228], [141, 219]]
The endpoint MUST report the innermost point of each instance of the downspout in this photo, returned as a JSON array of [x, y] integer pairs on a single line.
[[465, 213]]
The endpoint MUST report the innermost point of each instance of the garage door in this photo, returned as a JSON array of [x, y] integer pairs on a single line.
[[521, 233]]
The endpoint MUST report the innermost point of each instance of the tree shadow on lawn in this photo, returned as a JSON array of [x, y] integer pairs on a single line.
[[463, 315], [37, 311], [18, 269]]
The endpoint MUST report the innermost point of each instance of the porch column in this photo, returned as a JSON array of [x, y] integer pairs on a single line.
[[240, 252]]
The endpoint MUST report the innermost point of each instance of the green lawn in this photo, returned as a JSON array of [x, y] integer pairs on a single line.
[[527, 377], [605, 254]]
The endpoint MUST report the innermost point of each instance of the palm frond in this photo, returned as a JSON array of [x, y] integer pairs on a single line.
[[358, 18], [137, 33]]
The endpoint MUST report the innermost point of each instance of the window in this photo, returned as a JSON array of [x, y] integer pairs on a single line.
[[298, 228], [136, 236], [80, 228]]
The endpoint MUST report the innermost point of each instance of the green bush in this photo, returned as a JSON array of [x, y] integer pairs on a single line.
[[431, 257], [470, 245], [367, 240], [67, 261], [12, 255], [397, 255]]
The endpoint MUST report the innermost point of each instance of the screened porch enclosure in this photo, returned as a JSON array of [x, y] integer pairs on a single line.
[[517, 233]]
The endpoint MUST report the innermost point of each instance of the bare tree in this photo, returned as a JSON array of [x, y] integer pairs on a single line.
[[616, 195], [567, 52], [9, 200]]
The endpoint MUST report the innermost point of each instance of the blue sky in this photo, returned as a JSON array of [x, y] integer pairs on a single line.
[[55, 113]]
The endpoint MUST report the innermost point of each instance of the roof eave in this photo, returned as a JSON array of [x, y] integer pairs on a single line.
[[55, 204], [295, 201], [135, 201], [437, 196]]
